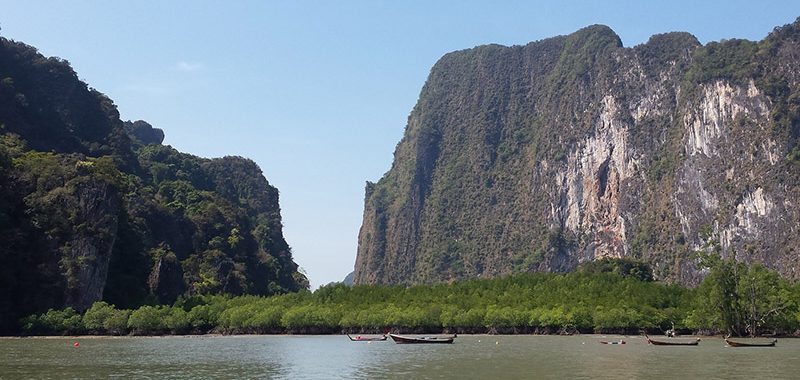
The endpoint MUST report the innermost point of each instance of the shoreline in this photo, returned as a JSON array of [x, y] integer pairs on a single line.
[[218, 335]]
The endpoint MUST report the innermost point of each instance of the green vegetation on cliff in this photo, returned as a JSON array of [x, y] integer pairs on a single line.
[[93, 208]]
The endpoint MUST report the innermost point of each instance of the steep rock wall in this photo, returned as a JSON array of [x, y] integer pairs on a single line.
[[543, 156]]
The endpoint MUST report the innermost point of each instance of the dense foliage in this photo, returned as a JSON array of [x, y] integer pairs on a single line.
[[744, 300], [93, 208], [595, 301]]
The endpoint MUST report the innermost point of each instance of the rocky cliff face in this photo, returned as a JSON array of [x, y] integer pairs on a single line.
[[143, 132], [87, 253], [565, 150], [93, 208]]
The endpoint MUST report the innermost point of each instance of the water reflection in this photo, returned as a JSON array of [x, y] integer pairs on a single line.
[[335, 357]]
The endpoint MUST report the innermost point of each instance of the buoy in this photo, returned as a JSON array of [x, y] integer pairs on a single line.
[[497, 342], [76, 344]]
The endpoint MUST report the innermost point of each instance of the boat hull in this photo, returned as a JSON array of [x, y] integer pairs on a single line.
[[672, 343], [360, 338], [401, 339], [743, 344]]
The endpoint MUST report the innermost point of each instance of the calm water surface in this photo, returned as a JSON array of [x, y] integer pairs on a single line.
[[335, 357]]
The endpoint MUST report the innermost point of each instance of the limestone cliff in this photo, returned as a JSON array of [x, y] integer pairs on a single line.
[[573, 148], [93, 208]]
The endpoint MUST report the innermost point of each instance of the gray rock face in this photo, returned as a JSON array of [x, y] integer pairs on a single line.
[[348, 280], [565, 150], [86, 256], [143, 132], [166, 279]]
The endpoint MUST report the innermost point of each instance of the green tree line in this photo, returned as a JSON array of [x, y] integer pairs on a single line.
[[609, 296]]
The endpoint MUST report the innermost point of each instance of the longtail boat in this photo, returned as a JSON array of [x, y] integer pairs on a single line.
[[421, 339], [612, 341], [672, 342], [750, 344], [359, 338]]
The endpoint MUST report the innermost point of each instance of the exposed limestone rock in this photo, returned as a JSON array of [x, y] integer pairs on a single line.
[[86, 256], [720, 106], [143, 132], [591, 184], [166, 279], [543, 156]]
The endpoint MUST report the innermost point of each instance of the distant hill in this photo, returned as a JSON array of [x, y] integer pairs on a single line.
[[94, 208], [348, 280], [573, 148]]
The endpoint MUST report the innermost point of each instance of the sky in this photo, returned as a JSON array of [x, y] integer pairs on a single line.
[[318, 93]]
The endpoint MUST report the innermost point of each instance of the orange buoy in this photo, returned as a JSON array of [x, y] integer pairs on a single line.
[[76, 344]]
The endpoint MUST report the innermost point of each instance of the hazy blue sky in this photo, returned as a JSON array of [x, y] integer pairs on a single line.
[[318, 92]]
